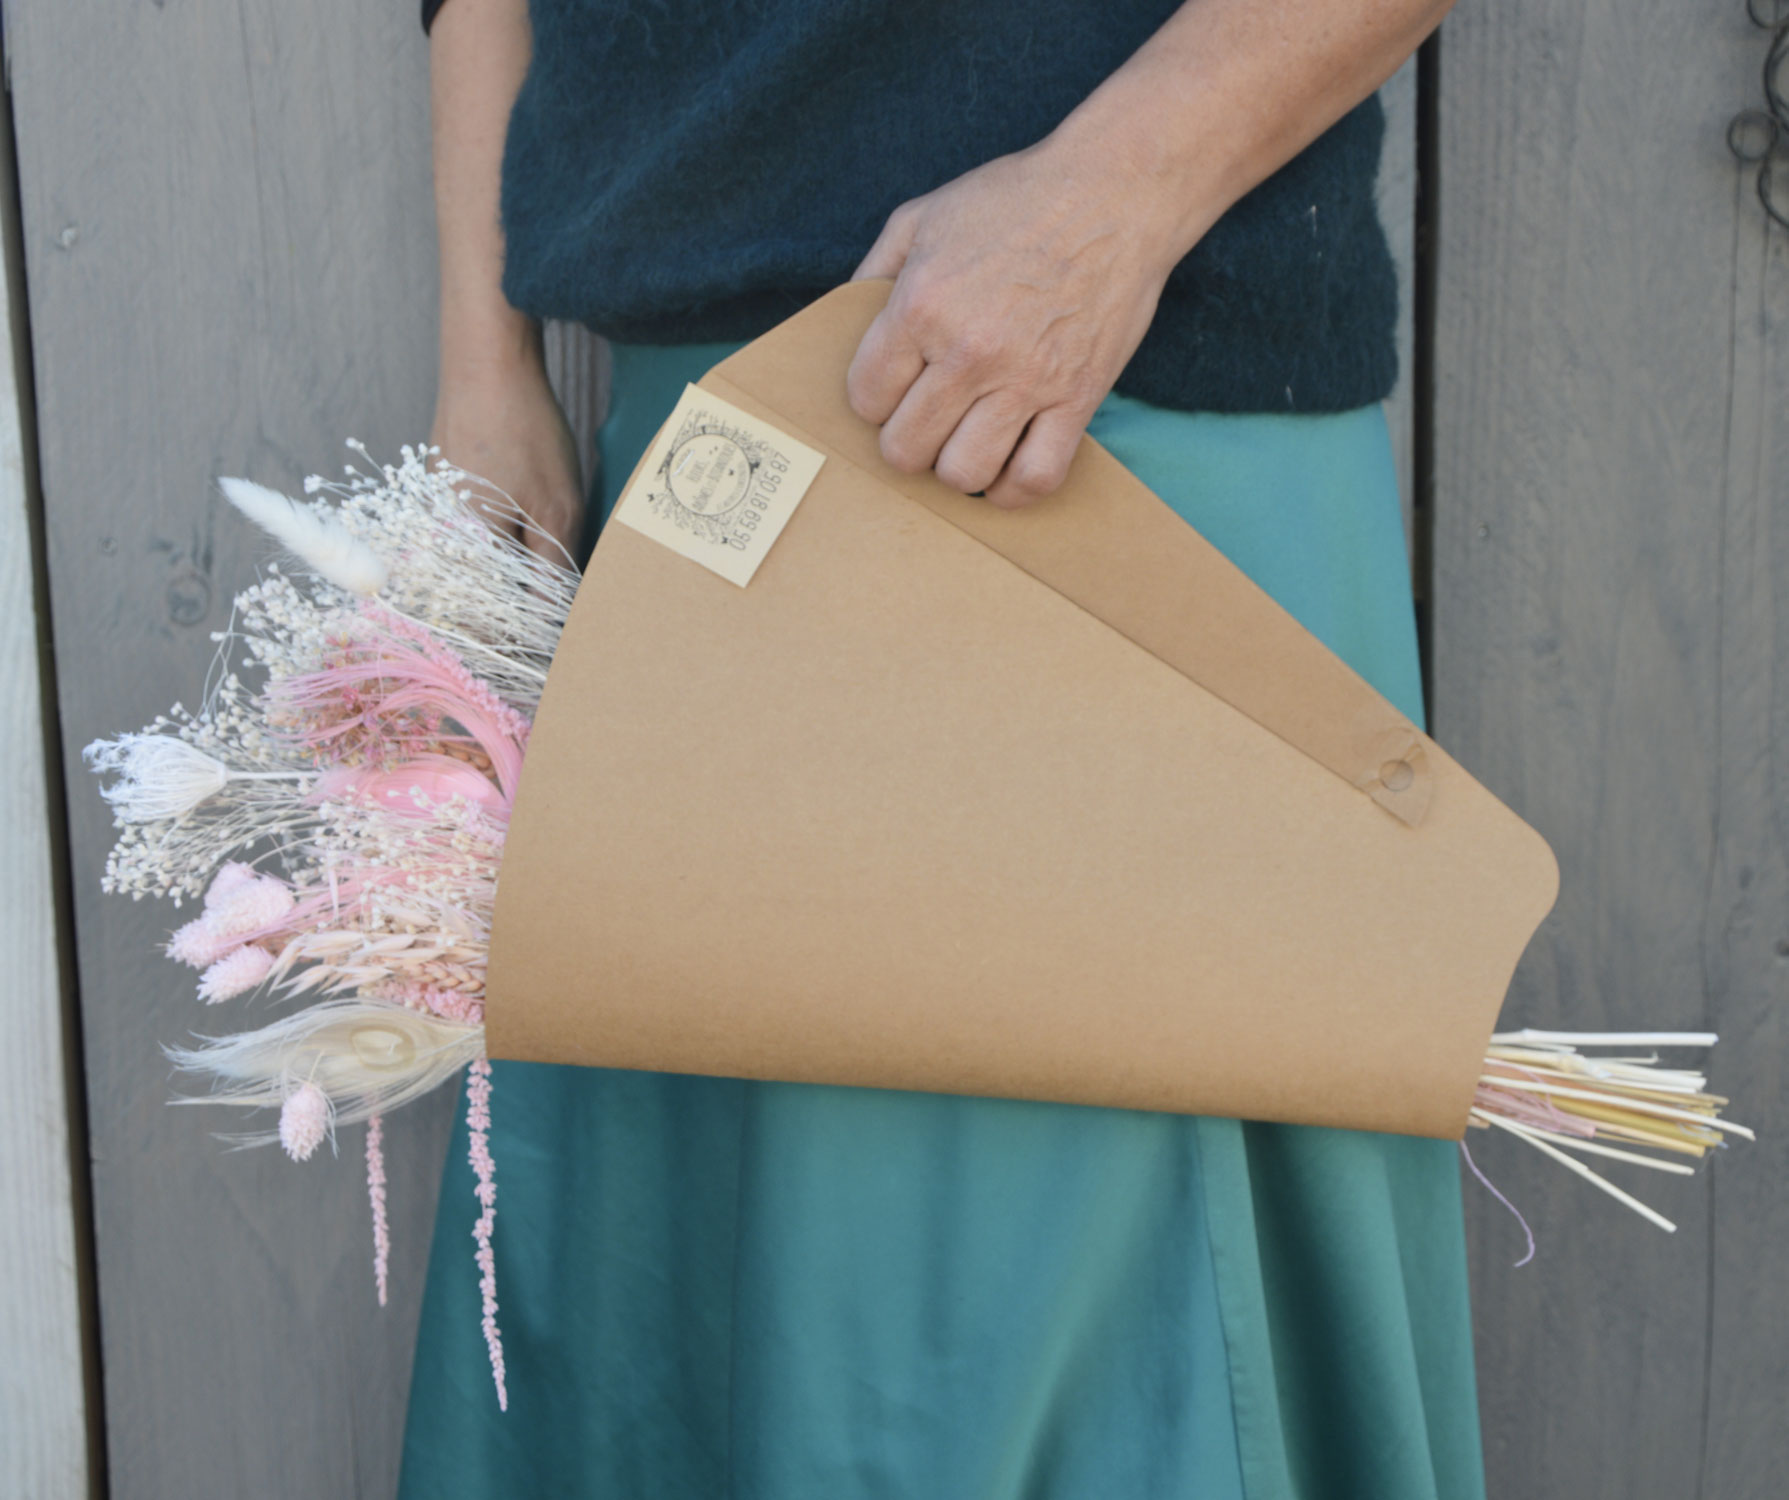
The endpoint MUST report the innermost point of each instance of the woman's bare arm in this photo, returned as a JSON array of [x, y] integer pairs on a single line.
[[1023, 287], [495, 413]]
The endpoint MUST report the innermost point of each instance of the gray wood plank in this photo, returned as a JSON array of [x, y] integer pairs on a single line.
[[578, 369], [229, 242], [1397, 212], [1610, 454], [43, 1402], [1745, 915]]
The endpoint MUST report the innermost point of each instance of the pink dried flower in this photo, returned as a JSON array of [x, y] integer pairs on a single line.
[[252, 906], [382, 699], [235, 973], [450, 1005], [375, 1187], [478, 1123], [230, 877], [304, 1121], [199, 943]]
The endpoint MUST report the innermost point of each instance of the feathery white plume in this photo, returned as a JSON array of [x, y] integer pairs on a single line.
[[160, 775], [326, 547], [367, 1057]]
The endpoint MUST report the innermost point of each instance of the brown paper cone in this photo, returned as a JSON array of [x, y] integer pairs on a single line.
[[1047, 804]]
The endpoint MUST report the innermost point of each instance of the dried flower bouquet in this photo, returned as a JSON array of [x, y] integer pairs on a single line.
[[341, 825]]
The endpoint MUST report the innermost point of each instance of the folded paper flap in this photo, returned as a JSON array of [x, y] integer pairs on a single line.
[[1110, 545], [791, 831]]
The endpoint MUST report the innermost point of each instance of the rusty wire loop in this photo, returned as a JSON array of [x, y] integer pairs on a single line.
[[1762, 135]]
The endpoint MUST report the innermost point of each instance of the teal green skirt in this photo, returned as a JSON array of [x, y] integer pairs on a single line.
[[723, 1289]]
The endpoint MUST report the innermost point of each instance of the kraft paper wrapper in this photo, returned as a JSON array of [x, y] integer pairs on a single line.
[[1046, 804]]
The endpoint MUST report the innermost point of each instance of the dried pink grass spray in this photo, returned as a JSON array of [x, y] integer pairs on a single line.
[[478, 1122], [375, 1191]]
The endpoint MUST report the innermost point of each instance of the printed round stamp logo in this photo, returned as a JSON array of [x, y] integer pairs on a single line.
[[708, 473], [716, 479]]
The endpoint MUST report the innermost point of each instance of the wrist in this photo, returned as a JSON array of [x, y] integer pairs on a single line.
[[489, 343], [1177, 179]]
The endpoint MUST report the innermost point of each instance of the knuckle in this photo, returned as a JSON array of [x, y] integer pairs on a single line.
[[917, 298], [901, 453], [1035, 477], [974, 347], [962, 474], [1083, 391]]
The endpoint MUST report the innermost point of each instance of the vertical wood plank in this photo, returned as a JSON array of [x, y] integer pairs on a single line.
[[1609, 559], [43, 1414], [229, 243], [1397, 212], [1744, 1441], [578, 369]]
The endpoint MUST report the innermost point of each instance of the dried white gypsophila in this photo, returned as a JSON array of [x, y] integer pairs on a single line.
[[499, 604], [193, 789]]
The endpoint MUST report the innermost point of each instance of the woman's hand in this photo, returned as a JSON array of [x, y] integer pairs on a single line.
[[1021, 291], [1023, 287], [510, 430]]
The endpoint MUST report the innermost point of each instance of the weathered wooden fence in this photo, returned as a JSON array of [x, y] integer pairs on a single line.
[[227, 235], [1611, 654]]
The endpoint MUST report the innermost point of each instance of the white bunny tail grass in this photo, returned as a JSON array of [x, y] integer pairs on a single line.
[[324, 545], [368, 1059]]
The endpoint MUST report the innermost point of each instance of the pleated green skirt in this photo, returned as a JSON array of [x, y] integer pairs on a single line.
[[723, 1289]]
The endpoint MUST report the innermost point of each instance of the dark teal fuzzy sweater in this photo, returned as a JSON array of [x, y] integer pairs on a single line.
[[681, 171]]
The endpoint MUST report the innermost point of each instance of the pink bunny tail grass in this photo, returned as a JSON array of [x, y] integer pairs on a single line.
[[236, 911], [375, 1191], [230, 877], [236, 973], [478, 1123], [249, 906], [304, 1121], [199, 943]]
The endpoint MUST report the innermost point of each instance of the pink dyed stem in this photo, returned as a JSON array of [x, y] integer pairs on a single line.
[[1492, 1188], [478, 1122], [375, 1187]]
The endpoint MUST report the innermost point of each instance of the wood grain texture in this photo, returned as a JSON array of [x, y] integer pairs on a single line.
[[578, 369], [43, 1406], [230, 250], [1611, 572], [1397, 212]]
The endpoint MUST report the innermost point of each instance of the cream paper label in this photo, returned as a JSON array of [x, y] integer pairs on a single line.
[[719, 485]]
